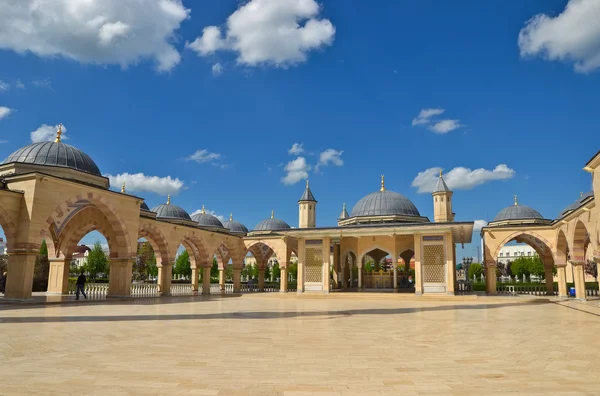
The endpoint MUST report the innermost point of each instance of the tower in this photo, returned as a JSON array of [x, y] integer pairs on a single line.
[[307, 208], [442, 202]]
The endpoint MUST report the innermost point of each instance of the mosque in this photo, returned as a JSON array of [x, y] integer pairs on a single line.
[[55, 192]]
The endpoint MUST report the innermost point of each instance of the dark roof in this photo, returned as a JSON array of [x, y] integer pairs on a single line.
[[441, 185], [591, 159], [517, 212], [381, 203], [207, 220], [344, 214], [308, 195], [170, 211], [235, 227], [54, 154], [584, 197], [145, 207], [271, 224]]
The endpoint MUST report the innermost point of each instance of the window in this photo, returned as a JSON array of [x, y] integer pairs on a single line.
[[309, 206], [529, 253], [500, 254], [435, 199]]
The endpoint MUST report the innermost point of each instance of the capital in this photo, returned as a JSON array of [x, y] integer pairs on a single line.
[[577, 263]]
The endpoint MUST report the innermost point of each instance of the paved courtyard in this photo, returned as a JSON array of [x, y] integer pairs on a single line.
[[272, 345]]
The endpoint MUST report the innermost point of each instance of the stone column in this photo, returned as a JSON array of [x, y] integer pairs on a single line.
[[58, 278], [283, 284], [237, 280], [336, 266], [351, 273], [261, 280], [450, 263], [395, 274], [549, 281], [561, 269], [579, 280], [206, 280], [165, 275], [490, 278], [359, 265], [301, 264], [221, 279], [195, 279], [119, 279], [343, 274], [19, 275], [418, 266], [326, 247]]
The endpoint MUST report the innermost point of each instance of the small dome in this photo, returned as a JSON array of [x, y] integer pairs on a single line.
[[382, 203], [54, 154], [206, 219], [145, 207], [518, 212], [170, 211], [272, 224], [577, 204], [235, 227]]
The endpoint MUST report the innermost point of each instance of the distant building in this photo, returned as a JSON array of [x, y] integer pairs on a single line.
[[512, 252], [2, 246], [80, 255]]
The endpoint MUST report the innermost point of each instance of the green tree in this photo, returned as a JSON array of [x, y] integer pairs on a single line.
[[214, 270], [41, 270], [521, 267], [536, 267], [293, 270], [229, 273], [145, 262], [476, 270], [591, 268], [182, 265], [276, 271], [97, 263]]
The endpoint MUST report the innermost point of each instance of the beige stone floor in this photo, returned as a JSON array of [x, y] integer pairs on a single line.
[[271, 345]]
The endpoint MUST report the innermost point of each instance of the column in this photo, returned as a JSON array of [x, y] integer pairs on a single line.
[[301, 263], [418, 266], [237, 280], [490, 278], [326, 248], [221, 279], [395, 274], [58, 278], [359, 265], [343, 274], [195, 279], [261, 280], [351, 273], [561, 269], [119, 279], [283, 284], [206, 280], [549, 280], [579, 280], [165, 275], [597, 260], [19, 275], [336, 266], [450, 263]]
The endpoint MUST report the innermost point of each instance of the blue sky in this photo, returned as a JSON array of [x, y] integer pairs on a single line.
[[210, 115]]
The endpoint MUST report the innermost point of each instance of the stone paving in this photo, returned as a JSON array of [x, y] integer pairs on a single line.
[[298, 345]]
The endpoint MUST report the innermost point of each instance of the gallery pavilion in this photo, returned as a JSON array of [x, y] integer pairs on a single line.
[[54, 192]]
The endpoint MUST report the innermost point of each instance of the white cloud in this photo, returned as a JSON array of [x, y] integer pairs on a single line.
[[444, 126], [479, 224], [202, 156], [573, 35], [47, 133], [100, 32], [4, 112], [296, 171], [142, 183], [19, 84], [4, 86], [427, 117], [212, 212], [217, 69], [273, 32], [330, 156], [461, 178], [297, 149], [43, 84]]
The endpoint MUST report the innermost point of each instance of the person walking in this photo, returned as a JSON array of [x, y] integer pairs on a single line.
[[3, 283], [80, 286]]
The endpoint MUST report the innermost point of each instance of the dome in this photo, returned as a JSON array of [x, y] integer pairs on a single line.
[[170, 211], [145, 207], [577, 204], [384, 202], [272, 224], [518, 212], [235, 227], [54, 153], [206, 219]]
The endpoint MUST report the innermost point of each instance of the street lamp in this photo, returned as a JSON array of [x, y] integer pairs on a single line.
[[466, 264]]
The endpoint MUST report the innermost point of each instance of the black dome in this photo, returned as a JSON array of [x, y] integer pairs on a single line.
[[271, 224], [382, 203], [170, 211], [54, 154], [517, 212], [235, 227], [207, 220]]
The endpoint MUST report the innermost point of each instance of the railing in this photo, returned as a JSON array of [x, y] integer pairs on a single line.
[[144, 289], [591, 292], [530, 290], [94, 291], [464, 286], [180, 289]]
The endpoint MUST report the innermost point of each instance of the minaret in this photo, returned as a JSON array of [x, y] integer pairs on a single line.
[[307, 208], [344, 214], [442, 202]]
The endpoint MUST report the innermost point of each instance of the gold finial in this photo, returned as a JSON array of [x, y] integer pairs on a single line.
[[272, 214], [203, 211], [123, 188], [440, 173], [230, 216], [382, 183], [516, 201], [58, 133], [169, 199]]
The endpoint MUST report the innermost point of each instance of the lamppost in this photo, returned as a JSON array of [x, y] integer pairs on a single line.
[[466, 264]]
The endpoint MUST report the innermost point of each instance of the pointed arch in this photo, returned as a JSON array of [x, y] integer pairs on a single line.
[[578, 245], [524, 236], [157, 240]]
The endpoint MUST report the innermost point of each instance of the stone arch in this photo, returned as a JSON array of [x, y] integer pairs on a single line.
[[370, 249], [562, 247], [261, 251], [197, 250], [157, 240], [70, 207], [407, 256], [223, 254], [9, 228], [523, 235], [578, 245]]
